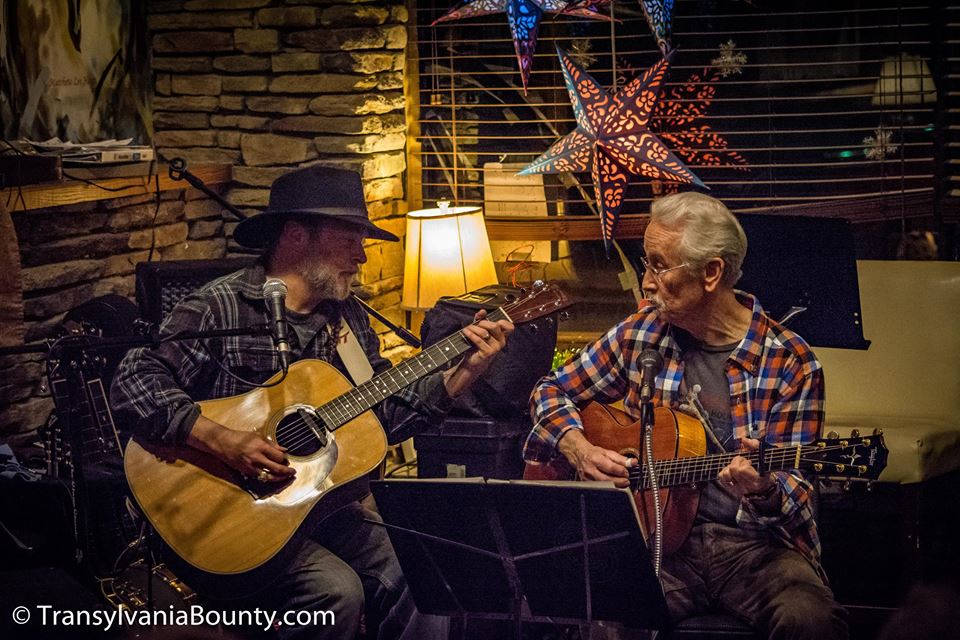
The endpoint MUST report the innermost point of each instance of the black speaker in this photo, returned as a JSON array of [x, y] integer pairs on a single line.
[[503, 392], [161, 285]]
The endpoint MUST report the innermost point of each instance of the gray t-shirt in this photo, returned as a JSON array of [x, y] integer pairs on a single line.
[[704, 365], [306, 326]]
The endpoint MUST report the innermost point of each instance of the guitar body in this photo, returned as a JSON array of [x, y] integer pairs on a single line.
[[221, 523], [675, 435]]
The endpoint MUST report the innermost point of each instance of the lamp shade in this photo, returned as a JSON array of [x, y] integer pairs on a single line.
[[904, 79], [447, 254]]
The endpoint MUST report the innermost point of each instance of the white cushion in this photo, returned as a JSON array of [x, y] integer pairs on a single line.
[[908, 382], [919, 448]]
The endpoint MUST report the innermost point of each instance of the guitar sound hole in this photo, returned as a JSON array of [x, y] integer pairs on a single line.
[[297, 437]]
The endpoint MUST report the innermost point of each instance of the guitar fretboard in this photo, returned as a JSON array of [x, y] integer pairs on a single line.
[[351, 404], [671, 473]]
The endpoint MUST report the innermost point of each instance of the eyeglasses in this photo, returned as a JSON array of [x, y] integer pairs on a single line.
[[657, 273]]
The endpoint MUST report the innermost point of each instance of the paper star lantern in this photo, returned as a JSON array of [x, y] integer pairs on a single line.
[[612, 139], [680, 121], [524, 17], [659, 15]]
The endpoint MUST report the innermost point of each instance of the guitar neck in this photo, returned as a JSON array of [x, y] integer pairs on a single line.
[[680, 471], [102, 417], [360, 399]]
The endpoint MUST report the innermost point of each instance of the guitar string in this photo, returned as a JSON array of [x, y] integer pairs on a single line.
[[672, 466], [782, 452], [693, 467], [299, 432], [683, 466], [342, 409]]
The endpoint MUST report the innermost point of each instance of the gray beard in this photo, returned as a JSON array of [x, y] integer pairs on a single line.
[[325, 282]]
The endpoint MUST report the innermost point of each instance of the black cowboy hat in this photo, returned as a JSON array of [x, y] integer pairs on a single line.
[[319, 191]]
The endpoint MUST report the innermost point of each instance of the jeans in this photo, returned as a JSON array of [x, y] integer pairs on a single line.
[[348, 567], [745, 573]]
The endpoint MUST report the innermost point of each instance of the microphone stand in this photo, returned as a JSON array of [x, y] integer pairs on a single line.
[[178, 171], [405, 335], [153, 339], [646, 428]]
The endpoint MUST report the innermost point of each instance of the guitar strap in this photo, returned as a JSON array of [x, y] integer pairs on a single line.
[[352, 354]]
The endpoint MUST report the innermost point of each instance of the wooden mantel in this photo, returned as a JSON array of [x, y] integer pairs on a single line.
[[64, 192], [561, 227]]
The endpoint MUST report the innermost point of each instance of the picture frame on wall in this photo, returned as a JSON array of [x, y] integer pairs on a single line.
[[77, 70]]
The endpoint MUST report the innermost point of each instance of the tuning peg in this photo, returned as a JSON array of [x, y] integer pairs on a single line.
[[564, 316], [833, 435], [855, 433], [533, 328], [538, 284], [878, 432]]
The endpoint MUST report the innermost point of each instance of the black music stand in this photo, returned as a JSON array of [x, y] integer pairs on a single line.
[[565, 553], [810, 263]]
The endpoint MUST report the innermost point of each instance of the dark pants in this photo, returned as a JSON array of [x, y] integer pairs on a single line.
[[348, 567], [745, 573]]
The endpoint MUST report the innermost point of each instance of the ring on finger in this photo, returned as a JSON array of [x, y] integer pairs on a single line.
[[263, 475]]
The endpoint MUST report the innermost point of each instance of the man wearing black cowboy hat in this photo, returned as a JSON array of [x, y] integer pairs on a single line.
[[311, 237]]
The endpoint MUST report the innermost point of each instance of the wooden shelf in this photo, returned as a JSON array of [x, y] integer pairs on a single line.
[[561, 227], [64, 192]]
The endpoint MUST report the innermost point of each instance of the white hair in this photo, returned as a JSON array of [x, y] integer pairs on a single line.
[[708, 231]]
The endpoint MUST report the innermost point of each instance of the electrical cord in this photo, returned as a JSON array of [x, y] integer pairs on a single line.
[[100, 186], [217, 362]]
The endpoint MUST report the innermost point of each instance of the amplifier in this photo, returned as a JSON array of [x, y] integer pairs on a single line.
[[161, 285], [504, 390]]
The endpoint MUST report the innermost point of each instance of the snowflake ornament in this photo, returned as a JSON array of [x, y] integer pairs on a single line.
[[730, 61], [580, 51], [880, 145]]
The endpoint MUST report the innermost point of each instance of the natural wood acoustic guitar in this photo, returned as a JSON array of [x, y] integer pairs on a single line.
[[223, 524], [681, 466]]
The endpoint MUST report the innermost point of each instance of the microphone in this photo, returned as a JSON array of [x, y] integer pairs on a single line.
[[650, 364], [274, 294]]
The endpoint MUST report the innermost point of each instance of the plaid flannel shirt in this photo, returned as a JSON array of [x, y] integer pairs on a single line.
[[776, 394], [155, 390]]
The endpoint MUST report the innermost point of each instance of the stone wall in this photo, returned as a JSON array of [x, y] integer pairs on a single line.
[[75, 253], [267, 85], [264, 86]]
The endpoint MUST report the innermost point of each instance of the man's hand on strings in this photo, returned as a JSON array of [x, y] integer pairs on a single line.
[[593, 462], [741, 478]]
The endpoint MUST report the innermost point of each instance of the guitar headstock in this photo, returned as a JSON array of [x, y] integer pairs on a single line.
[[542, 299], [855, 457], [69, 350]]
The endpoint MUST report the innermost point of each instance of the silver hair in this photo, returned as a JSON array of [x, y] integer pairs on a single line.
[[708, 229]]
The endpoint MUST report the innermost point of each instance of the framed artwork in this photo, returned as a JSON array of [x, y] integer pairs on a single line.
[[75, 69]]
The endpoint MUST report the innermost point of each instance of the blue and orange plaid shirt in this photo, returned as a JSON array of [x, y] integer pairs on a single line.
[[776, 394]]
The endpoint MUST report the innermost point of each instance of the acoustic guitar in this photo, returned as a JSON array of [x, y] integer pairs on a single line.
[[221, 523], [681, 466]]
